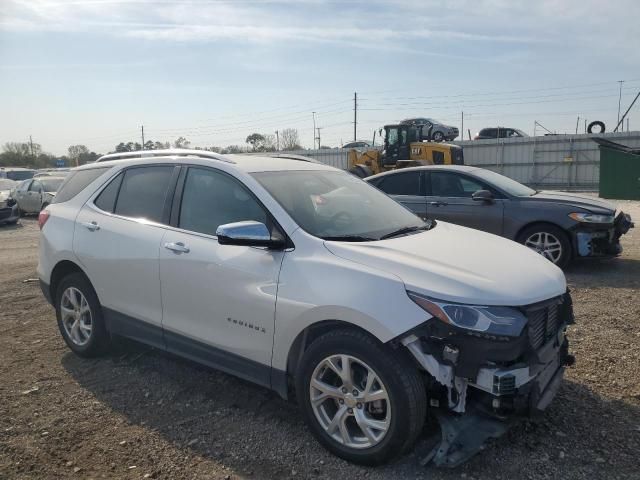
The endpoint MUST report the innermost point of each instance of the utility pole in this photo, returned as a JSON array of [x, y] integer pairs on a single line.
[[462, 126], [142, 131], [355, 116], [577, 123], [318, 129], [31, 145], [277, 141], [314, 129], [619, 99]]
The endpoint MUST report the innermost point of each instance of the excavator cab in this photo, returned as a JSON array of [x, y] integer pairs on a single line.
[[397, 143]]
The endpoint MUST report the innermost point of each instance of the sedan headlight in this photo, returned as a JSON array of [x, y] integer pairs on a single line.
[[495, 320], [591, 218]]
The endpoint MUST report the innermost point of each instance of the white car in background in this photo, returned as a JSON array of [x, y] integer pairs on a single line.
[[36, 193], [372, 316]]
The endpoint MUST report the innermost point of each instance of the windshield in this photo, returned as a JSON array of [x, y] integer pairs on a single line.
[[504, 183], [6, 184], [20, 174], [50, 184], [336, 205]]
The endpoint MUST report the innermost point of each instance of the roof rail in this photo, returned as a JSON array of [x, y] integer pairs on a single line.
[[171, 152], [293, 156]]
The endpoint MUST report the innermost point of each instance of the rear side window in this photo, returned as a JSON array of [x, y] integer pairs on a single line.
[[143, 192], [407, 183], [76, 182], [107, 199]]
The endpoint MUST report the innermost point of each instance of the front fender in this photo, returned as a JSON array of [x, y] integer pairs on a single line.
[[320, 286]]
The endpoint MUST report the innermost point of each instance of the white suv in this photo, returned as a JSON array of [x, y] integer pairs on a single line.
[[303, 278]]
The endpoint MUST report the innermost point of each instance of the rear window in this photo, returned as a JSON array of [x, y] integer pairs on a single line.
[[76, 182]]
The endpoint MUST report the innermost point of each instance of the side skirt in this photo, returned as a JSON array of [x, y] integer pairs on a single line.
[[197, 351]]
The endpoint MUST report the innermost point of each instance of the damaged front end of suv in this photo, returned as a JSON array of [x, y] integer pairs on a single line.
[[487, 366]]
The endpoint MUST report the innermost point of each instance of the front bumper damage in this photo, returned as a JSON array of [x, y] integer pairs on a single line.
[[601, 241], [478, 387]]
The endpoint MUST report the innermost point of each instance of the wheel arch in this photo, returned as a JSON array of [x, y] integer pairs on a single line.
[[61, 270], [306, 337]]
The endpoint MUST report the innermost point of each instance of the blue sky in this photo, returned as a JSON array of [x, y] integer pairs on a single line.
[[93, 71]]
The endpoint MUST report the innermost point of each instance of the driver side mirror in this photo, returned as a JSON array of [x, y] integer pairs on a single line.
[[483, 196], [249, 234]]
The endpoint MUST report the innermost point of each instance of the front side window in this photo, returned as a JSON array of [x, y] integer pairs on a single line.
[[143, 192], [335, 205], [447, 184], [211, 198], [24, 186], [405, 183], [392, 136], [35, 186]]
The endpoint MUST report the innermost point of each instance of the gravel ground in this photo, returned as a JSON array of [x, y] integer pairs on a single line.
[[138, 413]]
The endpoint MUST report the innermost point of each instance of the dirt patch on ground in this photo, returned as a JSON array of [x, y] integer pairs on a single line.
[[138, 413]]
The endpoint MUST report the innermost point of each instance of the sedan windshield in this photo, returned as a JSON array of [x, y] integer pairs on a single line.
[[504, 183], [50, 184], [336, 205]]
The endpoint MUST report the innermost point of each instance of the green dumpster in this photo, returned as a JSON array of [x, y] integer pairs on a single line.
[[619, 170]]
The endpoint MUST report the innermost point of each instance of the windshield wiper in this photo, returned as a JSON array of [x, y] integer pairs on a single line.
[[349, 238], [405, 230]]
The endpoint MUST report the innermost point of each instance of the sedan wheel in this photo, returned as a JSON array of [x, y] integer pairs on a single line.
[[350, 401], [438, 136], [76, 316], [546, 245]]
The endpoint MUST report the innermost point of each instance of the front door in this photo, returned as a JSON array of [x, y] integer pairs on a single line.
[[32, 199], [218, 300], [449, 199]]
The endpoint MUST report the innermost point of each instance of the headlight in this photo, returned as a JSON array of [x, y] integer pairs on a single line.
[[496, 320], [591, 218]]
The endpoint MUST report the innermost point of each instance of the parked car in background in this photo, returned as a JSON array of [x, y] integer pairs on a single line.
[[16, 173], [9, 212], [358, 144], [229, 261], [36, 193], [499, 132], [559, 225], [439, 131]]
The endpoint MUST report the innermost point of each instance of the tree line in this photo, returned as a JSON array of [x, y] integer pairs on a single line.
[[31, 155]]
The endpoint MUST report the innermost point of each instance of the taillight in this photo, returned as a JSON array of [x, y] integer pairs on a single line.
[[42, 218]]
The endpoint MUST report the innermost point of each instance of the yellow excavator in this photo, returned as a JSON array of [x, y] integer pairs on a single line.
[[404, 146]]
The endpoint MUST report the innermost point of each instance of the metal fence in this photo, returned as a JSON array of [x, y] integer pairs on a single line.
[[566, 162]]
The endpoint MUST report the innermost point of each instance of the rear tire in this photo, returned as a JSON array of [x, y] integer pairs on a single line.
[[79, 316], [377, 430], [549, 241]]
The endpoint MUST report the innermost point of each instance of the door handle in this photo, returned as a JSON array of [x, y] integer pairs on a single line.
[[438, 204], [177, 247], [91, 226]]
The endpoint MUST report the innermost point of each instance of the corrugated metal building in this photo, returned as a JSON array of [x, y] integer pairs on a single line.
[[567, 162]]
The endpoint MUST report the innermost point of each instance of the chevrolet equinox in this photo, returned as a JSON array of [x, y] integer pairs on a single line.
[[306, 280]]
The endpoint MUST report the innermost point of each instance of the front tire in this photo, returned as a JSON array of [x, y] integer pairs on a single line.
[[438, 137], [79, 316], [363, 401], [549, 241]]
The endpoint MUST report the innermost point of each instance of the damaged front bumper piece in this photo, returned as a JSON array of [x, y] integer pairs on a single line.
[[473, 403]]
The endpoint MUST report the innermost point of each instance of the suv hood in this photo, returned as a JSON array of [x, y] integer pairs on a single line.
[[459, 264], [592, 204]]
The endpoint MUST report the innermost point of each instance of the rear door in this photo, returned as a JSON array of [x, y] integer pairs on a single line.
[[449, 199], [407, 188], [117, 240], [20, 193]]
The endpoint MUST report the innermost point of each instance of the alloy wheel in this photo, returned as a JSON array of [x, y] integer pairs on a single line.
[[76, 316], [350, 401], [545, 244]]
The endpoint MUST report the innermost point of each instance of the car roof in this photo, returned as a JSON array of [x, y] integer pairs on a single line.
[[245, 162], [452, 168], [17, 169]]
